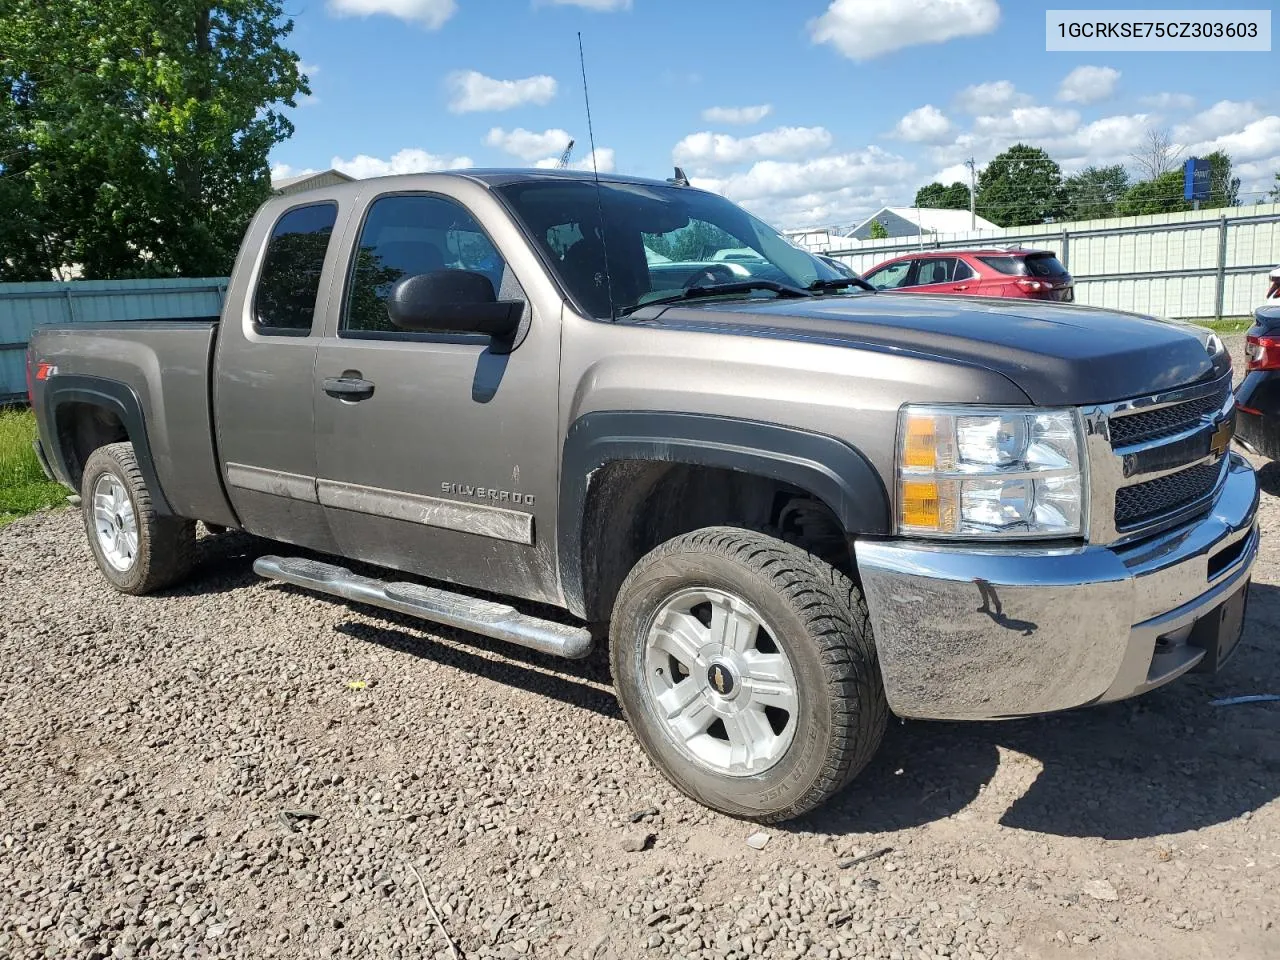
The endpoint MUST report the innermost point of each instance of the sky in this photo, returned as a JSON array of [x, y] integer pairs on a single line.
[[807, 112]]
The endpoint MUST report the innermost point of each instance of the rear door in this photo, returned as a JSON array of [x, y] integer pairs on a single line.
[[263, 374], [934, 275], [442, 459]]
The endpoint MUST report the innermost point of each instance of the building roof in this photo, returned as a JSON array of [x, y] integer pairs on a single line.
[[933, 220], [303, 180]]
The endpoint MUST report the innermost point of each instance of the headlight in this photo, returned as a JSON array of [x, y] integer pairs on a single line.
[[993, 472]]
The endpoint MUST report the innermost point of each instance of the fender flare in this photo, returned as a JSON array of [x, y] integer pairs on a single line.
[[119, 399], [824, 466]]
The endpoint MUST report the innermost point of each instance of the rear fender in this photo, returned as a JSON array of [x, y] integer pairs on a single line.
[[113, 396]]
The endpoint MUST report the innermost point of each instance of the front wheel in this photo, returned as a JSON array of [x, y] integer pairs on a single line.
[[747, 670], [137, 550]]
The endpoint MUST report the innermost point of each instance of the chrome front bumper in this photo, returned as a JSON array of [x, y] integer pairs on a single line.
[[972, 633]]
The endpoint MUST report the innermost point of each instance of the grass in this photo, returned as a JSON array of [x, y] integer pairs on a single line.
[[1226, 324], [23, 487]]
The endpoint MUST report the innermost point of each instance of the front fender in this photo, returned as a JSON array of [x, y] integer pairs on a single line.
[[827, 468]]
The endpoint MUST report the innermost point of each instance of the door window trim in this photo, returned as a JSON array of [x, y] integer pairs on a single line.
[[266, 331], [412, 336]]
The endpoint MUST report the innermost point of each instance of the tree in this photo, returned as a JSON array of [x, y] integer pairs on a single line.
[[1021, 186], [1094, 192], [696, 240], [938, 197], [1158, 154], [141, 130], [1224, 188], [1161, 195], [1274, 193], [878, 231]]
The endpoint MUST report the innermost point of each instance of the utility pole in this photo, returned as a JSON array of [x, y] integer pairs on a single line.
[[973, 192]]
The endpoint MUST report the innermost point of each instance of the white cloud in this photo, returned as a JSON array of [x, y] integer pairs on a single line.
[[604, 157], [864, 29], [1105, 141], [1027, 123], [985, 98], [1088, 85], [1225, 116], [1057, 131], [473, 91], [956, 173], [1169, 101], [282, 171], [925, 124], [708, 148], [409, 160], [308, 70], [526, 144], [602, 5], [737, 114], [1255, 141], [826, 189], [1257, 178], [431, 14]]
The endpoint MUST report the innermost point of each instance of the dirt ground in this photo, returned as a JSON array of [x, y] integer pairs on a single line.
[[240, 769]]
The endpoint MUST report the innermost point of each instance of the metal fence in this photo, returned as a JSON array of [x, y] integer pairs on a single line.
[[25, 306], [1197, 264]]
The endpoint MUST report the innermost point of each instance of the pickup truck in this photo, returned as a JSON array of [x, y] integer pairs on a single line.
[[791, 505]]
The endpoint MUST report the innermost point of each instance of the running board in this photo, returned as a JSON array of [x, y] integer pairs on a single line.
[[485, 617]]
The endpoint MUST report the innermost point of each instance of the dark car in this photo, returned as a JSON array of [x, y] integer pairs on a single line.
[[1258, 397], [1033, 274]]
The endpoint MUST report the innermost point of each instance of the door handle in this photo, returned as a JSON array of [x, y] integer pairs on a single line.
[[961, 286], [348, 388]]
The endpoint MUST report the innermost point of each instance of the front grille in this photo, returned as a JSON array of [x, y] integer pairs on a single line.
[[1141, 502], [1165, 421]]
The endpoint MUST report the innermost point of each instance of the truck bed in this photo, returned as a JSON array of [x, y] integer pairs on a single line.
[[165, 365]]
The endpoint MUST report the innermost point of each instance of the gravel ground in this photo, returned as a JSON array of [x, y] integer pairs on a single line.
[[152, 749]]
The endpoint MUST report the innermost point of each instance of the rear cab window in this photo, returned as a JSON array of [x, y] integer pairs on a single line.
[[284, 301]]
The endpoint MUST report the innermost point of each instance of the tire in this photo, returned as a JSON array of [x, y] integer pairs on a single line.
[[816, 741], [137, 551]]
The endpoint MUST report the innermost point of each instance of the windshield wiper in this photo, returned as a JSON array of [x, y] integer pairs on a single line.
[[720, 289], [840, 282]]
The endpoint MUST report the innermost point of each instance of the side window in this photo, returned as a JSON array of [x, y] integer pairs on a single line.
[[890, 277], [963, 271], [935, 270], [407, 235], [285, 300]]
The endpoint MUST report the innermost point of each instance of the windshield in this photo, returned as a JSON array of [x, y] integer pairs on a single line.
[[660, 240]]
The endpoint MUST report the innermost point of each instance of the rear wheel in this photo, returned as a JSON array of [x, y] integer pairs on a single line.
[[136, 550], [747, 669]]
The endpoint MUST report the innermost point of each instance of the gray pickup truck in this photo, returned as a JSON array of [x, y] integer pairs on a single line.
[[796, 504]]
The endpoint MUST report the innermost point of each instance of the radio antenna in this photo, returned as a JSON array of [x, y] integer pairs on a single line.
[[595, 171]]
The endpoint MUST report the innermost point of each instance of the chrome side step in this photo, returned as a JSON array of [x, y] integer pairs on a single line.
[[485, 617]]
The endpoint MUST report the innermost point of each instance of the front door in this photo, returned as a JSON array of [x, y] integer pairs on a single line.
[[436, 453]]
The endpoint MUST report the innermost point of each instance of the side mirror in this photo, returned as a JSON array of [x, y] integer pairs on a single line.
[[453, 301]]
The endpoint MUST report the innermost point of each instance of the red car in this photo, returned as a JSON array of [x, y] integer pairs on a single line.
[[1034, 274]]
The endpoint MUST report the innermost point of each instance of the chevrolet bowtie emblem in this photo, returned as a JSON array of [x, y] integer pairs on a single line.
[[1220, 442]]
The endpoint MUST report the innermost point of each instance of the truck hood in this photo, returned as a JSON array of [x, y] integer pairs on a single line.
[[1055, 353]]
